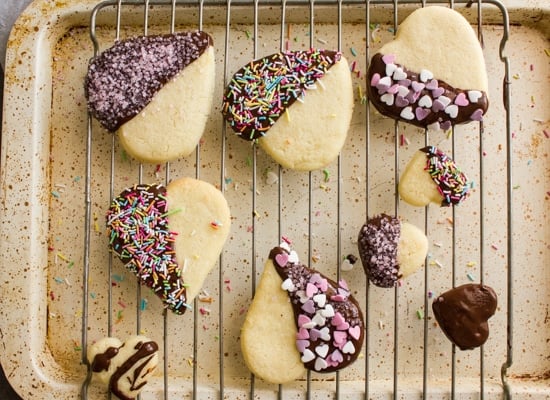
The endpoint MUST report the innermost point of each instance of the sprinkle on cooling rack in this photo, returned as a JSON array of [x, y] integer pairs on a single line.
[[139, 234], [452, 183], [260, 92]]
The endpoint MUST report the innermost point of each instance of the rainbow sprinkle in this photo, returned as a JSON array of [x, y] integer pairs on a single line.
[[139, 234], [452, 183], [260, 92]]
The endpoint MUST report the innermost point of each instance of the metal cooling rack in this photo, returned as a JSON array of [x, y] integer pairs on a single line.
[[175, 7]]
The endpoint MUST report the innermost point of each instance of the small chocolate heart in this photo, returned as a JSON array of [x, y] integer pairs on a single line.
[[462, 314]]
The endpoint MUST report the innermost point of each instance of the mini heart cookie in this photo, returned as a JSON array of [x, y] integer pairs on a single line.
[[125, 367], [390, 249], [170, 237], [437, 51], [463, 313], [283, 335], [433, 177], [297, 104], [155, 91]]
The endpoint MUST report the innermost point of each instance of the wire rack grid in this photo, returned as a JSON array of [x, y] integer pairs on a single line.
[[311, 18]]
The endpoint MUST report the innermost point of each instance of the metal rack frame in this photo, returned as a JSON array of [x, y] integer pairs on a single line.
[[178, 5]]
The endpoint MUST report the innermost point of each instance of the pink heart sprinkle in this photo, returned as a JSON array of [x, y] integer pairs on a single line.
[[438, 106], [461, 100], [338, 298], [311, 289], [393, 89], [340, 336], [437, 92], [405, 82], [445, 125], [303, 319], [433, 84], [343, 284], [338, 319], [355, 332], [309, 307], [315, 278], [412, 96], [388, 58], [314, 334], [301, 345], [417, 86], [421, 113], [477, 115], [374, 80], [401, 101], [337, 356], [281, 259], [302, 333], [323, 285], [344, 326]]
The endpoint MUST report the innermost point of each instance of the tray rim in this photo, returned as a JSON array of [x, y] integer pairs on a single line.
[[27, 94]]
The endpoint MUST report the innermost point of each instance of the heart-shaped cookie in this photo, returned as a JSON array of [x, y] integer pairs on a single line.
[[297, 104], [431, 176], [299, 319], [390, 249], [124, 367], [170, 237], [436, 61], [463, 312], [156, 90]]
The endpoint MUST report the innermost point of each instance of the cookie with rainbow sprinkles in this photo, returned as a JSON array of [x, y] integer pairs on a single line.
[[296, 104]]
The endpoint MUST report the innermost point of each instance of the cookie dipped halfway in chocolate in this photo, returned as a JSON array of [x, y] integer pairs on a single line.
[[124, 367], [432, 74], [463, 313], [155, 91], [390, 250], [297, 104], [299, 319], [170, 237]]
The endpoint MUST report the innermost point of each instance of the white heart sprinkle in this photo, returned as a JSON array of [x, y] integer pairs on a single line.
[[387, 98], [288, 285], [328, 311], [348, 348], [346, 266], [390, 68], [293, 257], [319, 319], [309, 325], [452, 110], [474, 96], [444, 100], [285, 246], [402, 91], [271, 178], [407, 113], [325, 334], [434, 126], [399, 74], [303, 296], [320, 299], [322, 350], [307, 356], [320, 364], [426, 75], [425, 101]]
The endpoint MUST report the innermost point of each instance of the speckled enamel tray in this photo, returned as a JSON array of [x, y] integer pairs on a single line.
[[44, 248]]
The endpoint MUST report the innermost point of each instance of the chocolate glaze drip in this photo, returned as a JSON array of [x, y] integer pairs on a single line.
[[102, 361], [420, 99], [139, 235], [261, 91], [123, 79], [377, 244], [144, 353], [462, 314], [330, 327]]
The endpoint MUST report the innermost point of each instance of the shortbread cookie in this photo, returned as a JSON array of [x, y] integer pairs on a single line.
[[431, 176], [297, 104], [124, 367], [390, 249], [156, 91], [170, 237], [432, 74], [462, 314], [299, 319]]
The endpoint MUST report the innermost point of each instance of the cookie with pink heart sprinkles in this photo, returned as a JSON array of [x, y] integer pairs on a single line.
[[432, 74], [299, 319]]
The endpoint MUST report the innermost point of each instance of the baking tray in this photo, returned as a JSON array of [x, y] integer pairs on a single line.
[[56, 182]]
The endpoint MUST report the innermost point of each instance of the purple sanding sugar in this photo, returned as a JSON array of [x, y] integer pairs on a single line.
[[377, 243], [123, 79]]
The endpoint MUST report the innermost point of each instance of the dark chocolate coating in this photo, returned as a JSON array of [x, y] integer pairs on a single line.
[[462, 314]]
